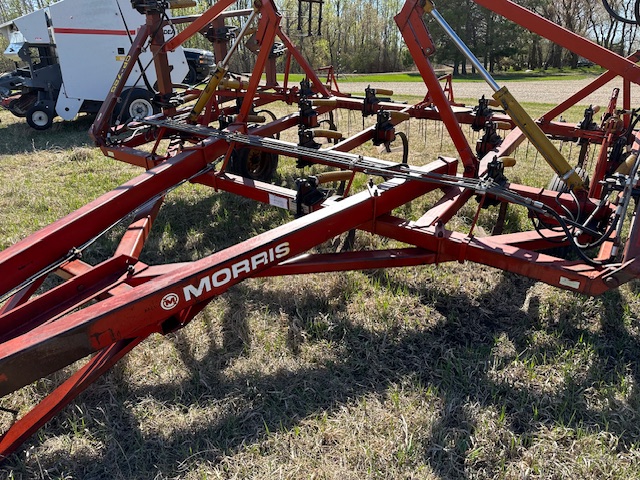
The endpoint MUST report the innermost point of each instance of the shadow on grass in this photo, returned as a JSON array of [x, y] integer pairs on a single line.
[[454, 357]]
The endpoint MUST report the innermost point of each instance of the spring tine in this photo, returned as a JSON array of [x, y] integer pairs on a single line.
[[424, 132]]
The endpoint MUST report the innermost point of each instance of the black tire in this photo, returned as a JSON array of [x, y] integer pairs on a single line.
[[557, 184], [136, 103], [40, 117], [253, 164], [192, 76]]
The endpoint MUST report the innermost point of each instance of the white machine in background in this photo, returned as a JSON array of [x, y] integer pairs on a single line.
[[73, 50]]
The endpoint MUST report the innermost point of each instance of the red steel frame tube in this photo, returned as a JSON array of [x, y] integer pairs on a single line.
[[29, 256], [584, 92], [416, 36], [49, 347]]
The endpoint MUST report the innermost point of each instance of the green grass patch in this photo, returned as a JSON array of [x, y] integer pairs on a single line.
[[409, 77]]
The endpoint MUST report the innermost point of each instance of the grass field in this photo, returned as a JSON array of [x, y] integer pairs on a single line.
[[412, 77], [455, 371]]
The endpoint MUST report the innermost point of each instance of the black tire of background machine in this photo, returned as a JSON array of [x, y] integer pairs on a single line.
[[136, 103], [40, 117]]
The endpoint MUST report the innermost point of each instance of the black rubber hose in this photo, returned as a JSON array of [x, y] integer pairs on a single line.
[[619, 17]]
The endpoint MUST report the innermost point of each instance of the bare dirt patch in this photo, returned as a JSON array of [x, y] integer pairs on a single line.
[[538, 91]]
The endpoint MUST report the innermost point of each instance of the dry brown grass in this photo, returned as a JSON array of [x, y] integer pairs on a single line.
[[456, 371]]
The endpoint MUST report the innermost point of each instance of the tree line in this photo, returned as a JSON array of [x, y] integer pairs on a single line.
[[361, 35]]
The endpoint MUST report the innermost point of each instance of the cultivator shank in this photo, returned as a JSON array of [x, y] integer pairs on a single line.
[[223, 136]]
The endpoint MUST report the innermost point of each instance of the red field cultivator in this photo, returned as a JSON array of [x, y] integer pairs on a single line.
[[223, 137]]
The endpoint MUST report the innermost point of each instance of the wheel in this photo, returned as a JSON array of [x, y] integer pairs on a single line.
[[254, 164], [192, 76], [557, 184], [136, 103], [40, 117]]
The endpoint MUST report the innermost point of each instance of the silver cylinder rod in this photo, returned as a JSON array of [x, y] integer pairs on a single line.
[[236, 44], [464, 49]]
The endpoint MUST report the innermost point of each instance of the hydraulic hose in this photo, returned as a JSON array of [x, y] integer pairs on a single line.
[[619, 17]]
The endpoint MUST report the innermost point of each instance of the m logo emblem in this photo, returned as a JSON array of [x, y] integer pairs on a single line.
[[169, 301]]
